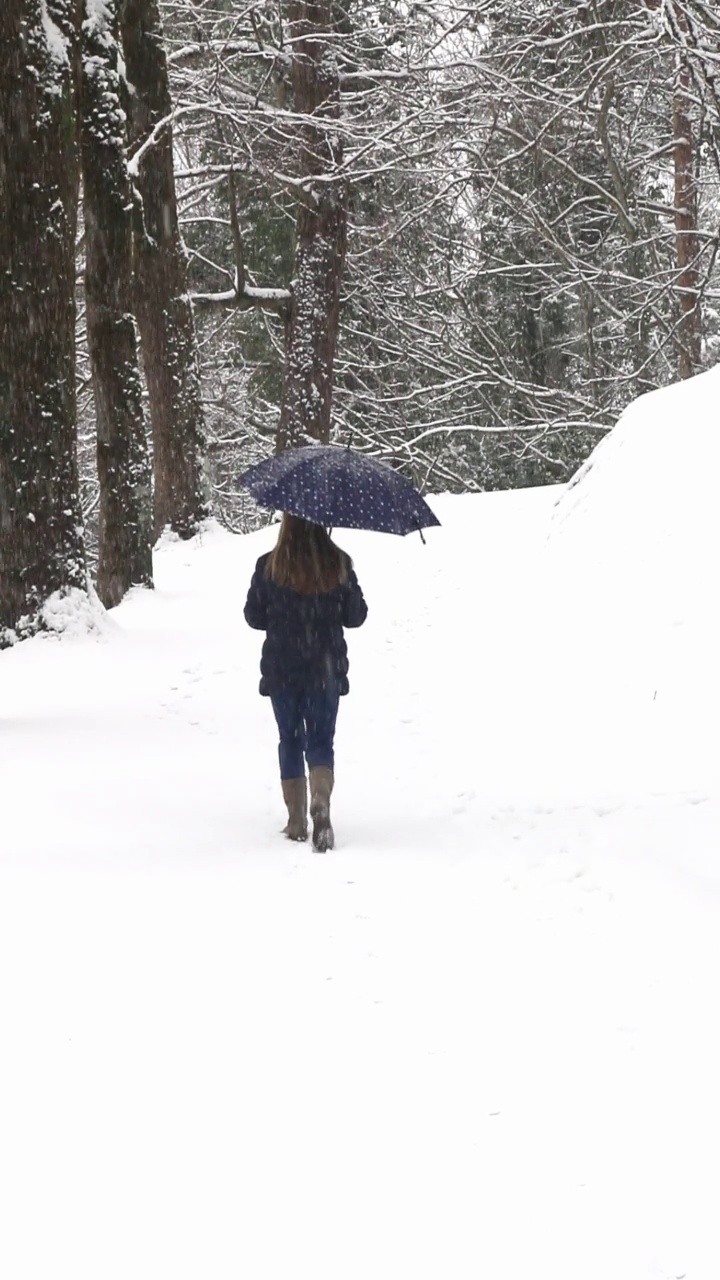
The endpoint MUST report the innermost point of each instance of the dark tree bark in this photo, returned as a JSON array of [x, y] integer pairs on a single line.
[[686, 229], [321, 231], [125, 551], [162, 304], [687, 237], [41, 541]]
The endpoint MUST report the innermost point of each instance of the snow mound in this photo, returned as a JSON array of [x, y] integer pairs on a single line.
[[75, 613], [640, 520], [631, 565]]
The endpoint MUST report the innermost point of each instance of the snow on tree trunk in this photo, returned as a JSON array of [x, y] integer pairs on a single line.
[[41, 540], [162, 306], [321, 231], [125, 537]]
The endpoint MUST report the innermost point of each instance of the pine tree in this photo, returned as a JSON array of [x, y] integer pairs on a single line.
[[125, 534], [162, 305], [41, 541]]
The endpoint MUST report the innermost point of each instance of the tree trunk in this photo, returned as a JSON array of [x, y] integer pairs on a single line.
[[41, 541], [321, 231], [686, 228], [163, 308], [686, 206], [125, 552]]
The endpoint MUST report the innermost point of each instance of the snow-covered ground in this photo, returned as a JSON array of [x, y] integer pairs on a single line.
[[480, 1040]]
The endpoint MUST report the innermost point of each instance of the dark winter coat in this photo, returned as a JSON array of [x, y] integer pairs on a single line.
[[305, 647]]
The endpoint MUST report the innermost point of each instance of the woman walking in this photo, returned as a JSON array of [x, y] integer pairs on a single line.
[[302, 594]]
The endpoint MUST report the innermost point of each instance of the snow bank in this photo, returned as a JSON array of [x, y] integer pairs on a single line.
[[631, 567]]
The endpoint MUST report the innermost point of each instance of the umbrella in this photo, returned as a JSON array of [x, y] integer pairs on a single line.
[[338, 488]]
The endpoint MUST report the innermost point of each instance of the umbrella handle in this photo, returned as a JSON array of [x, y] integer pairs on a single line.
[[422, 535]]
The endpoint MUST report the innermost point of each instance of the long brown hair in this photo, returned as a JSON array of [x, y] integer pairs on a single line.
[[306, 559]]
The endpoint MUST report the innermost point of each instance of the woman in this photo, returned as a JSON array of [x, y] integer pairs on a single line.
[[302, 594]]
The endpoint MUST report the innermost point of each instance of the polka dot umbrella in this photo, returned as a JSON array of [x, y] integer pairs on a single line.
[[340, 489]]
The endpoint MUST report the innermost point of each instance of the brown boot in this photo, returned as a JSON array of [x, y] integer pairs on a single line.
[[295, 796], [321, 785]]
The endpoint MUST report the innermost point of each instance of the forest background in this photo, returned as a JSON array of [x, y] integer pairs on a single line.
[[461, 237]]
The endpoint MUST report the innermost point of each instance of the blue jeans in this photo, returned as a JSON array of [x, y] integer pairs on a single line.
[[306, 721]]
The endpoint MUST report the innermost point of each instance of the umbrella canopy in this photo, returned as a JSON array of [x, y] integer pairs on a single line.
[[340, 489]]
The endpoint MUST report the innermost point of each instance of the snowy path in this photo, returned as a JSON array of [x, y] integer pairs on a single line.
[[479, 1040]]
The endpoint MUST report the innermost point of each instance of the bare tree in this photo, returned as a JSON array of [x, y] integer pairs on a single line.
[[125, 527], [41, 542], [162, 304], [304, 126], [512, 275]]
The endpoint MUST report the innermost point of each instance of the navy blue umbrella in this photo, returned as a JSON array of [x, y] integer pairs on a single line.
[[340, 489]]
